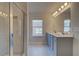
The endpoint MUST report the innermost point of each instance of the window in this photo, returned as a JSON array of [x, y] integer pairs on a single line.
[[66, 25], [37, 27]]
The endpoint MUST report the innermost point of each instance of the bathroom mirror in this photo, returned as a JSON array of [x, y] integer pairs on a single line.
[[4, 29]]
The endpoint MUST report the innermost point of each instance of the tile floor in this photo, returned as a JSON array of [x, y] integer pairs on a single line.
[[40, 51]]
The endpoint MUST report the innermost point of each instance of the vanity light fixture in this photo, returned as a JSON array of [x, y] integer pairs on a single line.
[[65, 4], [59, 9], [62, 6], [0, 12], [55, 13], [4, 14]]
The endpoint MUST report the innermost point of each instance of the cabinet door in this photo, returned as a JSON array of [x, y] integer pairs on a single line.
[[55, 46], [49, 41]]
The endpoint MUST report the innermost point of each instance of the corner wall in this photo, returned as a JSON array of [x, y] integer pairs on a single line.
[[75, 27]]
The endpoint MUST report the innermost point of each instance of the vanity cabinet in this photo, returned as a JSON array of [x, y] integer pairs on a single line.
[[60, 46]]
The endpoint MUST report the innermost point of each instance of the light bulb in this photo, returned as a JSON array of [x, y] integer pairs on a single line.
[[56, 12], [65, 4], [62, 7], [4, 14], [0, 12], [59, 9]]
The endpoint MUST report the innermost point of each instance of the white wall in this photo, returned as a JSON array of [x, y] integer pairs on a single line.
[[75, 27], [35, 40]]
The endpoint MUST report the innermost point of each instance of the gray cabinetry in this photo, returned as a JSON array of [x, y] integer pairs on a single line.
[[60, 46]]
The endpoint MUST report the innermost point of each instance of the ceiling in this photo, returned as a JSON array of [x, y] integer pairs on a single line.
[[22, 6], [39, 7]]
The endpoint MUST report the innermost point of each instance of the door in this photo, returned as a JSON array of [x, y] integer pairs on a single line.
[[17, 30]]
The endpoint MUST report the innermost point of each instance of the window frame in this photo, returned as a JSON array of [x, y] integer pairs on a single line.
[[66, 26], [37, 27]]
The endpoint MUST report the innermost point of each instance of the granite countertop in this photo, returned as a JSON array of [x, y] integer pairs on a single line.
[[62, 35]]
